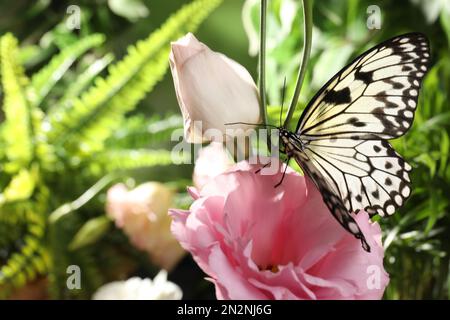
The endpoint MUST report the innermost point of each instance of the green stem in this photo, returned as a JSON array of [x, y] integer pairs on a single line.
[[83, 199], [262, 61], [307, 31]]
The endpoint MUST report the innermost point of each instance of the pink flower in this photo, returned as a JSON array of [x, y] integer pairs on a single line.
[[212, 90], [258, 242], [212, 161], [142, 214]]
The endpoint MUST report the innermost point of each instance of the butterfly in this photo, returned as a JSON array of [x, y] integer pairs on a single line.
[[341, 139]]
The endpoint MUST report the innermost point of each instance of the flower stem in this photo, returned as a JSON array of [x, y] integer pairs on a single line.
[[307, 39], [262, 61], [83, 199]]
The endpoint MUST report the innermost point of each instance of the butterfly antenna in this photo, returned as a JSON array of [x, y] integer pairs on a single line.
[[282, 99], [250, 124]]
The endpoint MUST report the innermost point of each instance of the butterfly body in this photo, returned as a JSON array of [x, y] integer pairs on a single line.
[[292, 142], [341, 139]]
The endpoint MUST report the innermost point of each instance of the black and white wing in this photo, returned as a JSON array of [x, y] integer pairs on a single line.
[[345, 127], [357, 174], [375, 96]]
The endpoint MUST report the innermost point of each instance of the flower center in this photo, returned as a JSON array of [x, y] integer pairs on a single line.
[[271, 268]]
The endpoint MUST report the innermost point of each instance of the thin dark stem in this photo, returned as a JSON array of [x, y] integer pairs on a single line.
[[83, 199], [307, 17], [262, 61]]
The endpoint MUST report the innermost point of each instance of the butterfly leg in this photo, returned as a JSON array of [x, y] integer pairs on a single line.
[[284, 172], [282, 150], [264, 166]]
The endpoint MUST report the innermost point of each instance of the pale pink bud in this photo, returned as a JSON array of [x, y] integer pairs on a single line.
[[212, 90], [212, 161], [142, 214]]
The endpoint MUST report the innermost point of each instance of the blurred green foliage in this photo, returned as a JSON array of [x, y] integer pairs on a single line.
[[65, 127]]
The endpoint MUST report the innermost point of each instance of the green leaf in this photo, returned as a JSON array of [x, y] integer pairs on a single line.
[[445, 146], [21, 186], [44, 80], [100, 111], [436, 121], [28, 53], [250, 21], [130, 9], [273, 113], [92, 231], [428, 161], [445, 22], [16, 129], [331, 61], [132, 159]]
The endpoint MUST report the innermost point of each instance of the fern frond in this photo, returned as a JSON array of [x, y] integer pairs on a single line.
[[139, 131], [16, 130], [100, 110], [82, 82], [20, 187], [44, 80], [130, 159], [26, 254], [31, 259], [60, 235]]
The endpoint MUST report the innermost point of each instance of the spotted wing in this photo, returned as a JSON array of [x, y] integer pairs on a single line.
[[366, 174], [375, 96], [345, 127], [332, 200], [353, 175]]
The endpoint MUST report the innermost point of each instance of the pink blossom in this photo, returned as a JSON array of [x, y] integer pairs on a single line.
[[142, 214], [212, 90], [212, 161], [259, 242]]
